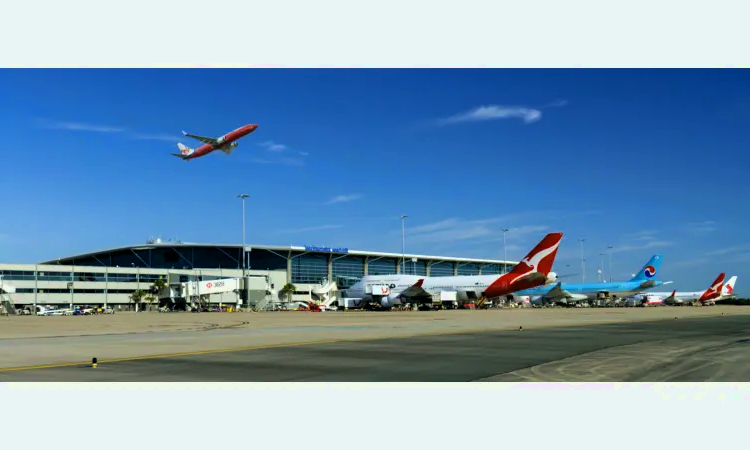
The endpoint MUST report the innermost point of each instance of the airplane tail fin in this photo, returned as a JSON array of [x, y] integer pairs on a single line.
[[650, 270], [541, 257], [729, 287], [714, 289], [184, 149]]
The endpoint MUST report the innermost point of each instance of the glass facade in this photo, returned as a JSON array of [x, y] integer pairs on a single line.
[[150, 278], [265, 260], [75, 292], [491, 269], [347, 270], [383, 266], [414, 267], [310, 268], [468, 269], [55, 276], [90, 276], [441, 269], [306, 268], [17, 275]]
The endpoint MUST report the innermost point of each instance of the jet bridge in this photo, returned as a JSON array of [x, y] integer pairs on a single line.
[[221, 291]]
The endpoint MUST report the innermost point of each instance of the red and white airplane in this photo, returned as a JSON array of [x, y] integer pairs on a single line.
[[707, 297], [224, 143], [390, 290]]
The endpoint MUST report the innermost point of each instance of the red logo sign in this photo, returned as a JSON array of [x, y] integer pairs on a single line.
[[208, 285]]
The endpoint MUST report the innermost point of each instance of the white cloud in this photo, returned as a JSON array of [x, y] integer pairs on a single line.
[[644, 235], [728, 250], [344, 198], [304, 153], [690, 262], [495, 112], [272, 146], [707, 226], [81, 126], [155, 137], [479, 231], [741, 258], [317, 228], [641, 246], [281, 161]]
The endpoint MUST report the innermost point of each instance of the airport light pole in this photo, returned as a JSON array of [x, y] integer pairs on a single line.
[[583, 262], [610, 262], [505, 253], [403, 240], [244, 256], [601, 268]]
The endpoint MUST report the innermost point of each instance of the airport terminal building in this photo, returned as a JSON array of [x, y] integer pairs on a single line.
[[109, 277]]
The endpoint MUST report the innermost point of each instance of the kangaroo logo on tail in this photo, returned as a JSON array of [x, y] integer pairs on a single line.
[[715, 289], [729, 286], [539, 259], [184, 149]]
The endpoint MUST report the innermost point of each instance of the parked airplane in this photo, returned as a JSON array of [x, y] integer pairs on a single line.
[[390, 290], [573, 293], [224, 143], [728, 290], [717, 292]]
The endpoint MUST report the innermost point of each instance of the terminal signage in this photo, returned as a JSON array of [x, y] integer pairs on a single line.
[[312, 248]]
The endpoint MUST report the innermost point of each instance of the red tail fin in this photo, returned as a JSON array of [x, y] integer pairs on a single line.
[[715, 289], [541, 258]]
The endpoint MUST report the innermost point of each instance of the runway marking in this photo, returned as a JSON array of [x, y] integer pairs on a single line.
[[330, 341]]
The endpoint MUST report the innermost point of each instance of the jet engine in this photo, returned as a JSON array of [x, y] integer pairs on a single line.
[[221, 140], [552, 277]]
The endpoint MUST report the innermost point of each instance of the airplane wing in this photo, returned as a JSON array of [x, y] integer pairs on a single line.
[[415, 290], [672, 298], [205, 140], [558, 294]]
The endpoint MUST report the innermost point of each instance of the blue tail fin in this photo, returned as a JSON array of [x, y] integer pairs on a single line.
[[650, 270]]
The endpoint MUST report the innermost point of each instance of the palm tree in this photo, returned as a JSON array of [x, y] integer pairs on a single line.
[[137, 297], [150, 299], [288, 290], [157, 287]]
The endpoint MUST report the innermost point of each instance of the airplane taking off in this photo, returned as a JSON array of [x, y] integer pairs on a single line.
[[534, 270], [717, 292], [573, 293], [224, 143]]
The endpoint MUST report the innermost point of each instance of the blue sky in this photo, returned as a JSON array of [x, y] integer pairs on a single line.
[[645, 160]]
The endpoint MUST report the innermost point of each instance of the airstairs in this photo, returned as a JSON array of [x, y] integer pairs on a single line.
[[326, 294], [6, 306], [262, 304]]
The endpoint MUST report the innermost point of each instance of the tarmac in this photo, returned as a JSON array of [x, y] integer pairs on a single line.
[[638, 344]]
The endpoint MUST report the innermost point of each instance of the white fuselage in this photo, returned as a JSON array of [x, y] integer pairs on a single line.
[[371, 287], [691, 296]]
